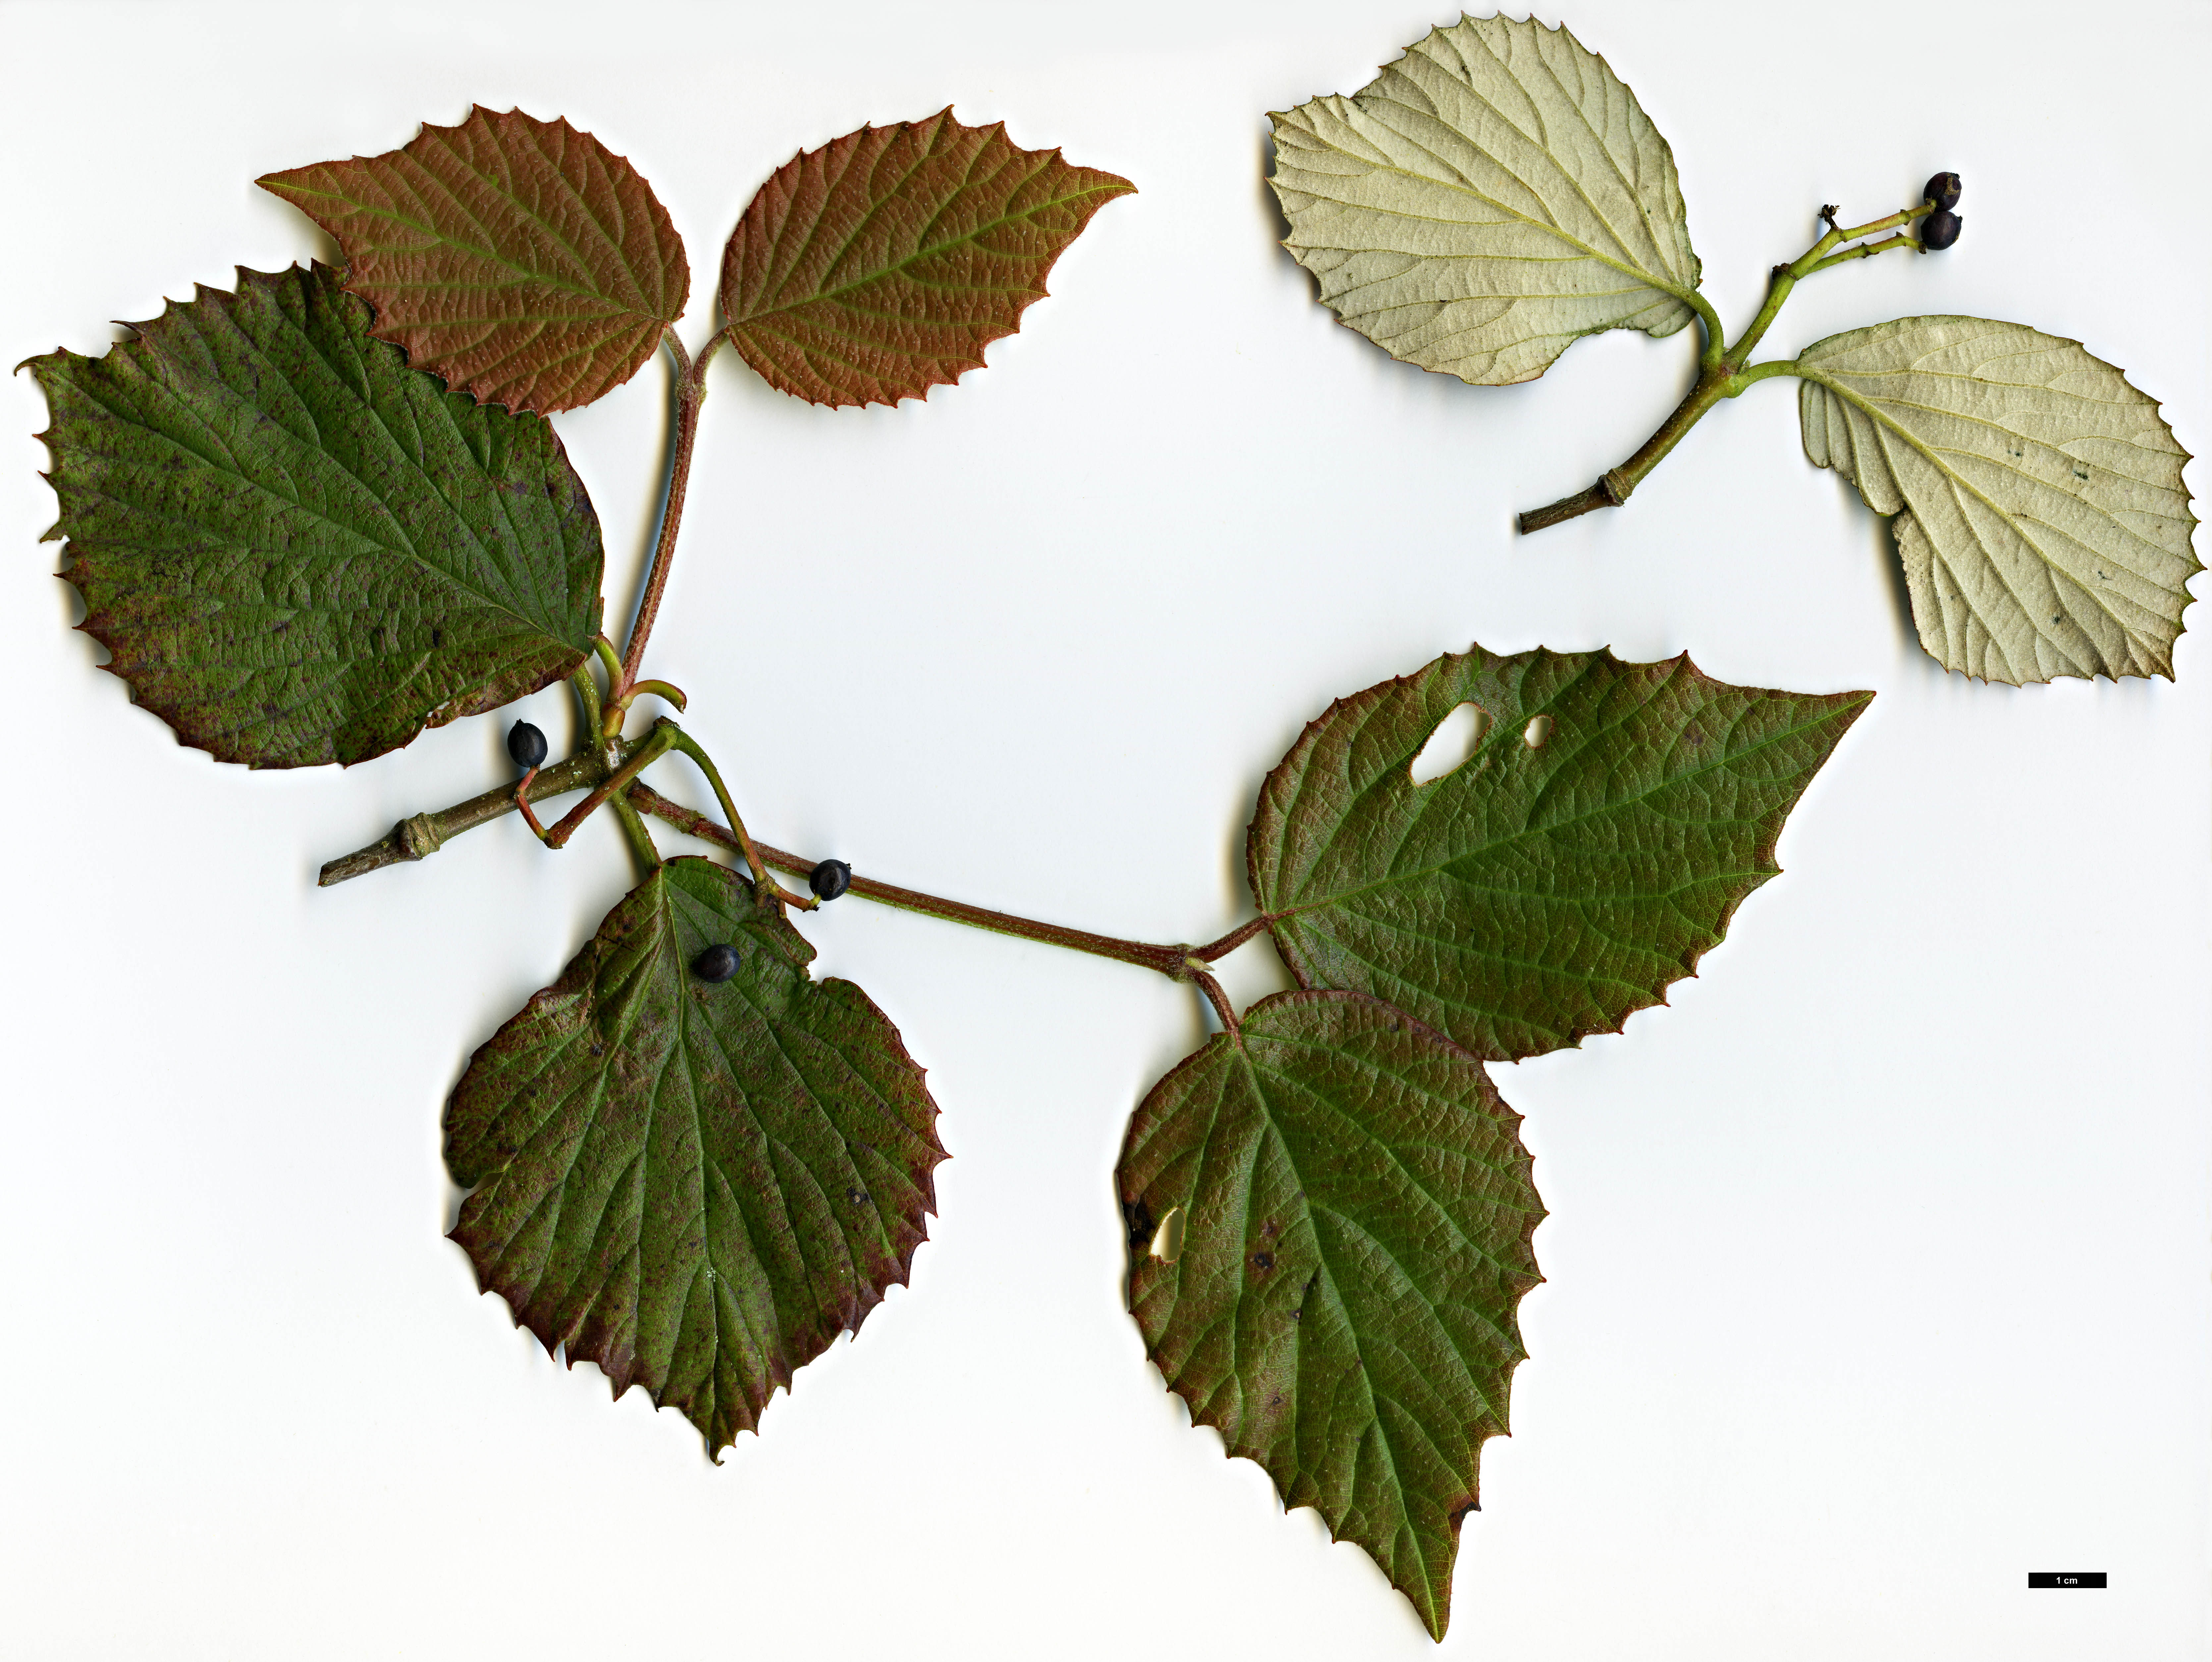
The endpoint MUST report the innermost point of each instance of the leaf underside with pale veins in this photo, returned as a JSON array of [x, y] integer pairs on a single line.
[[301, 550], [1536, 893], [2040, 511], [1485, 201], [881, 264], [1359, 1210], [696, 1186], [521, 259]]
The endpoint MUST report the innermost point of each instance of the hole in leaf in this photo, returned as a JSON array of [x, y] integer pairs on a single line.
[[1538, 730], [1454, 741], [1167, 1243]]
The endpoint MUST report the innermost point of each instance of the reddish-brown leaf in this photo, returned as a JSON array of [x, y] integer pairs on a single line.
[[521, 259], [883, 263]]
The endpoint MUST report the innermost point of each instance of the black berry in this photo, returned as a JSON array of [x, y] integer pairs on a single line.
[[1942, 191], [829, 879], [525, 744], [1940, 229], [716, 963]]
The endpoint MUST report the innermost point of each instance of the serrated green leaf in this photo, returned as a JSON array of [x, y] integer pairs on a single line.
[[2040, 511], [881, 264], [697, 1185], [1543, 891], [299, 549], [1485, 201], [521, 259], [1358, 1211]]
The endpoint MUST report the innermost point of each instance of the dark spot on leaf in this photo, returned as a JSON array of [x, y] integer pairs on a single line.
[[1264, 1260], [1275, 1401], [1270, 1229], [599, 1049], [1142, 1226], [856, 1196]]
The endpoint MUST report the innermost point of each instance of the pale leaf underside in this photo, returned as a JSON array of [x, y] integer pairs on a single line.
[[695, 1186], [521, 259], [2041, 515], [1539, 892], [881, 264], [1359, 1213], [1489, 198], [298, 549]]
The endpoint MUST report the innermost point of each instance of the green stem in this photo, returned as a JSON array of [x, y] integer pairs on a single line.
[[1779, 283], [1710, 321], [660, 689], [1767, 371], [588, 701], [762, 882], [1902, 216], [610, 658], [1900, 240], [639, 838]]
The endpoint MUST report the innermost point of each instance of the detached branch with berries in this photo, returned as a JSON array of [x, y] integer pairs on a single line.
[[2036, 497]]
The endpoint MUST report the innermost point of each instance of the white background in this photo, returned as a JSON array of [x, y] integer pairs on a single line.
[[1877, 1259]]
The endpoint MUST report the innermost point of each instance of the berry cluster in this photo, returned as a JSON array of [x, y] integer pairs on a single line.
[[1940, 228]]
